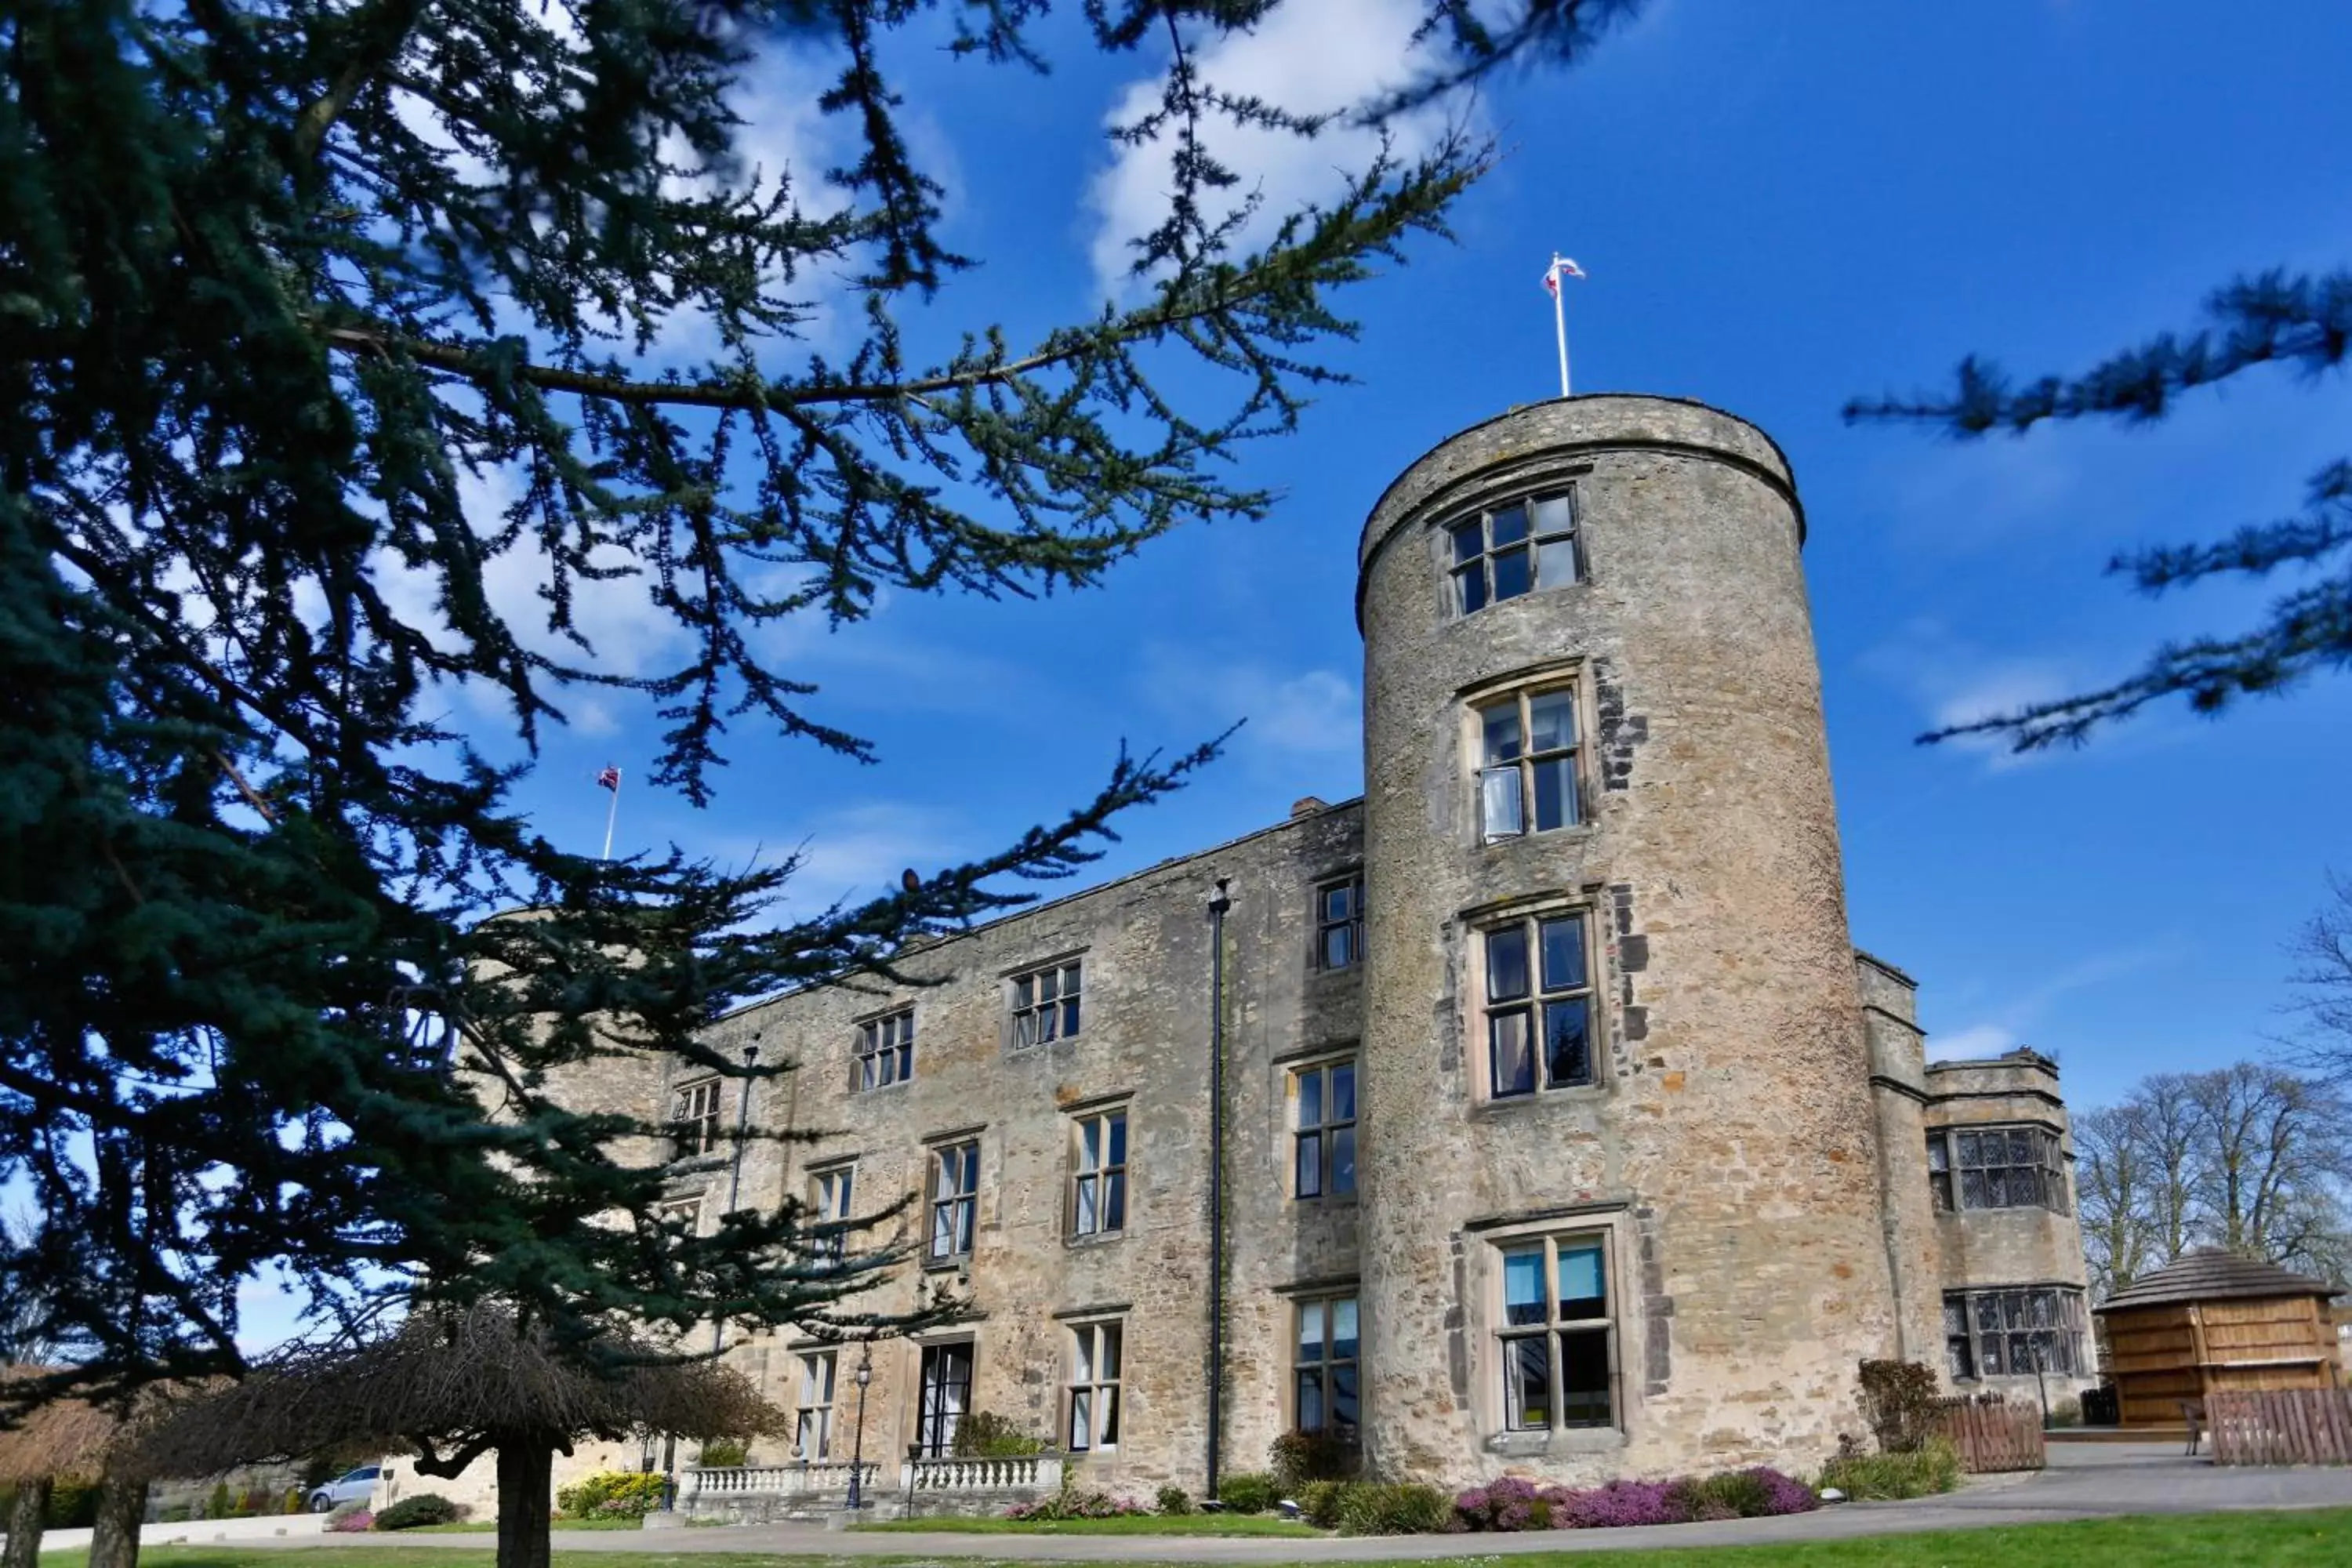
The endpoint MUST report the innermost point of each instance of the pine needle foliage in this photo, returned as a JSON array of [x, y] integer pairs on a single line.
[[2301, 322], [322, 323]]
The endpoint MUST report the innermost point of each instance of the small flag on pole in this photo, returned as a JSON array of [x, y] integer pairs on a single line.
[[1561, 267], [610, 778]]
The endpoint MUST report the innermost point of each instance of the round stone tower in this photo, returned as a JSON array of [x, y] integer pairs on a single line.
[[1621, 1204]]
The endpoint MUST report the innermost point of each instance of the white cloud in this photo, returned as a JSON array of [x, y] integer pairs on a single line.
[[859, 851], [1976, 1040], [2006, 1027], [1955, 682], [1308, 57], [1310, 713]]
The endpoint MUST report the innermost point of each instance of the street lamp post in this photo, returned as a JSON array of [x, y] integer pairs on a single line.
[[857, 1447]]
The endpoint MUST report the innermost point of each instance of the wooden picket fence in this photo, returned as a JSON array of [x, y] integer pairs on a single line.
[[2280, 1427], [1992, 1434]]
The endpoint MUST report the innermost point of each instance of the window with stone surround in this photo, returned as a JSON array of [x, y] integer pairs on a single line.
[[684, 1212], [1528, 758], [1556, 1333], [1537, 1004], [1501, 552], [1045, 1003], [1098, 1172], [2013, 1332], [955, 1199], [832, 1192], [694, 1117], [1091, 1396], [813, 1422], [1323, 1361], [944, 1393], [1995, 1168], [1339, 923], [1323, 1137], [885, 1051]]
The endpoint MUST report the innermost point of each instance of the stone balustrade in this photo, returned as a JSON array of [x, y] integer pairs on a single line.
[[1030, 1473], [712, 1490]]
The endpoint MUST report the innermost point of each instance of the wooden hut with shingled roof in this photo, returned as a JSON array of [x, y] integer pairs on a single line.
[[2212, 1322]]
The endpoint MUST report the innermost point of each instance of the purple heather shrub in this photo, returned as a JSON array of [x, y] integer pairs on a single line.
[[1784, 1494], [357, 1521], [1507, 1504], [1623, 1503]]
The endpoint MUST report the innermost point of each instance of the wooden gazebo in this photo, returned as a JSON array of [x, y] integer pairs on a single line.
[[2215, 1323]]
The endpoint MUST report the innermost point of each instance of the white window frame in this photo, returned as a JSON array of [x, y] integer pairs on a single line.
[[819, 1374], [1099, 1189], [1326, 1130], [1092, 1389], [958, 1205], [833, 1199], [1536, 1001], [885, 1051], [1045, 1003], [1550, 530], [1554, 1326], [696, 1114]]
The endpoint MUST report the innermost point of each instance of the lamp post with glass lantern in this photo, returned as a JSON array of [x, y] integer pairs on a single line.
[[864, 1375]]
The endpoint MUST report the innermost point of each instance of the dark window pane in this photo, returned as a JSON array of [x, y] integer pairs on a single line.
[[1343, 1159], [2021, 1148], [1514, 1065], [1508, 526], [1310, 1165], [1310, 1401], [1344, 1403], [1524, 1301], [1310, 1098], [1993, 1365], [1938, 1158], [1118, 1138], [1470, 588], [1469, 542], [1343, 1329], [1957, 1360], [1337, 948], [1555, 514], [1973, 1189], [1940, 1184], [1501, 729], [1971, 1152], [1568, 1050], [1555, 562], [1987, 1311], [1551, 720], [1584, 1380], [1563, 955], [1555, 781], [1514, 574], [1070, 1017], [1506, 963], [1996, 1185], [1115, 1212], [1311, 1331], [1526, 1382], [1343, 1092]]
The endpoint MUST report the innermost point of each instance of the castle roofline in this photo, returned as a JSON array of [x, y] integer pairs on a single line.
[[1297, 817]]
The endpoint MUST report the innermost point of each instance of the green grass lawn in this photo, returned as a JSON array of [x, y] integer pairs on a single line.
[[1140, 1524], [490, 1526], [2319, 1538]]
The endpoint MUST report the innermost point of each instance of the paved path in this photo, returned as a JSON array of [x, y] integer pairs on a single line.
[[2083, 1481]]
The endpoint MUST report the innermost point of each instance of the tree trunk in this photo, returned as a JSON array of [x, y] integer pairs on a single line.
[[25, 1524], [526, 1483], [121, 1508]]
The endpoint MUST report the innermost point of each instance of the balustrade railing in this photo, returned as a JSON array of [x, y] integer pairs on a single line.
[[801, 1477], [1023, 1473]]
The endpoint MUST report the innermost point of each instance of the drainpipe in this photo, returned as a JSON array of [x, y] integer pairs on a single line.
[[1218, 904]]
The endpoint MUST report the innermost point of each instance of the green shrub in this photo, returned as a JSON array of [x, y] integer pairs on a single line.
[[1319, 1504], [2067, 1411], [73, 1505], [1174, 1501], [1299, 1457], [984, 1434], [425, 1507], [1249, 1491], [611, 1494], [1874, 1478], [1076, 1502], [218, 1505], [176, 1513], [1898, 1400], [1734, 1494], [1397, 1507], [725, 1453]]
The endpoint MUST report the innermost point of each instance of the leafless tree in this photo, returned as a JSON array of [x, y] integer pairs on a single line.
[[2114, 1192], [24, 1337], [2322, 979]]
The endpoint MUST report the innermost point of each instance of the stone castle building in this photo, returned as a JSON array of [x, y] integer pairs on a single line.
[[1566, 1134]]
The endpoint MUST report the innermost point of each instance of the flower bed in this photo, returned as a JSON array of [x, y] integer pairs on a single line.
[[1512, 1504]]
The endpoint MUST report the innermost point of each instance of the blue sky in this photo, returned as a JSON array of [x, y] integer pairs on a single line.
[[1779, 207]]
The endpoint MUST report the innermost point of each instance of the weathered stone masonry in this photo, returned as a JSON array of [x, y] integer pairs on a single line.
[[1696, 1226]]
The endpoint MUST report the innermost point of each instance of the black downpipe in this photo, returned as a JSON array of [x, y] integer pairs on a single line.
[[1218, 904]]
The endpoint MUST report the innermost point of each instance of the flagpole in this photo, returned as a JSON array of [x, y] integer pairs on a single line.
[[1560, 319], [611, 814]]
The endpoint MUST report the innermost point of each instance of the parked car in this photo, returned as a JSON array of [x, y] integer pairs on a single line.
[[351, 1486]]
